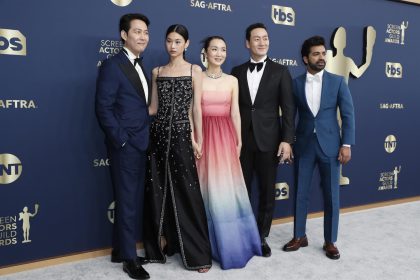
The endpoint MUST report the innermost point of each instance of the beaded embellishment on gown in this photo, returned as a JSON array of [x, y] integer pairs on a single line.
[[173, 205]]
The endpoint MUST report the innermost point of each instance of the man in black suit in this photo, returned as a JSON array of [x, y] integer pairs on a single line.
[[122, 97], [264, 88]]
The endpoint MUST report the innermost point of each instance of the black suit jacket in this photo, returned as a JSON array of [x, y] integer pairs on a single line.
[[121, 105], [274, 91]]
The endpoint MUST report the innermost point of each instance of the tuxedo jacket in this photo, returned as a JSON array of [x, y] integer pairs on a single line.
[[274, 92], [121, 105], [334, 93]]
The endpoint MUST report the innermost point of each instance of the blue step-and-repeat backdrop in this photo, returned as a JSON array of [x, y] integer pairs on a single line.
[[55, 186]]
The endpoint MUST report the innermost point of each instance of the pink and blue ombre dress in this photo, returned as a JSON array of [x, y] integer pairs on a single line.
[[233, 230]]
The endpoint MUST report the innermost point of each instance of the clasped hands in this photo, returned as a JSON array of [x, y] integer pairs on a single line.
[[197, 149]]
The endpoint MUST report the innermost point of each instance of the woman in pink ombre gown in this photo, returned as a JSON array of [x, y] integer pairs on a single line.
[[233, 230]]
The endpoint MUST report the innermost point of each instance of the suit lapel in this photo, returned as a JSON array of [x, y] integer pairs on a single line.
[[324, 92], [244, 79], [302, 92], [131, 74]]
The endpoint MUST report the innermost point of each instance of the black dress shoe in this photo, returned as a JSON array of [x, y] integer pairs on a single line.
[[134, 269], [265, 249], [115, 258]]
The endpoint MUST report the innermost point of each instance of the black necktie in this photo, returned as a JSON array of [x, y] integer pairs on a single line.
[[252, 66]]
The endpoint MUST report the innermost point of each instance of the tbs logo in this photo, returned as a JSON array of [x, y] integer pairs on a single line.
[[393, 70], [282, 191], [12, 42], [283, 15]]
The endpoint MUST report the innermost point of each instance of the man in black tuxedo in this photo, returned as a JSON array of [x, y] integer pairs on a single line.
[[264, 88], [122, 97]]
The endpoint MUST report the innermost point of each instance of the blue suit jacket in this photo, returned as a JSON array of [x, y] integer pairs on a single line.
[[335, 93], [121, 105]]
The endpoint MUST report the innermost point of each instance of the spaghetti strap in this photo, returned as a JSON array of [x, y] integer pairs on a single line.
[[191, 70], [158, 71]]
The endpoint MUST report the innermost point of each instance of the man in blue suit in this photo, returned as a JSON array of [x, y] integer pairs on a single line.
[[320, 142], [122, 97]]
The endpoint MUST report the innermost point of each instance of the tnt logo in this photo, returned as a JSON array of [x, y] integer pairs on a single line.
[[10, 168], [393, 70], [111, 212], [282, 191], [203, 58], [283, 15], [12, 42], [390, 143], [122, 3]]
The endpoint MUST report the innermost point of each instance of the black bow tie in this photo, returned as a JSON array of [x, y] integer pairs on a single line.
[[252, 66], [137, 61]]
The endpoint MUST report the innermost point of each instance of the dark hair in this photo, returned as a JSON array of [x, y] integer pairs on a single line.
[[252, 27], [309, 43], [206, 41], [125, 21], [178, 28]]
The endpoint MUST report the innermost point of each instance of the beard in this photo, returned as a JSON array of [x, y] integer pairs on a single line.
[[317, 66]]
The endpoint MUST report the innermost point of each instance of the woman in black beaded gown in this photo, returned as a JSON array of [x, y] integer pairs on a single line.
[[174, 214]]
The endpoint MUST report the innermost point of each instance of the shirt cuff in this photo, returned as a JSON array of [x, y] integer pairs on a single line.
[[344, 145]]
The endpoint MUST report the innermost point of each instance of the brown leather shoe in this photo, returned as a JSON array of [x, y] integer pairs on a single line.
[[295, 244], [331, 250]]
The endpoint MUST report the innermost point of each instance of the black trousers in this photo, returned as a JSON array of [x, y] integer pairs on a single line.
[[264, 164], [128, 166]]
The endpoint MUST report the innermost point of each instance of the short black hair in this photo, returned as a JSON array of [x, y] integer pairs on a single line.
[[125, 21], [180, 29], [309, 43], [252, 27], [206, 41]]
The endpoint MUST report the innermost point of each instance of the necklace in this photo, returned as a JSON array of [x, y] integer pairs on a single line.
[[214, 75]]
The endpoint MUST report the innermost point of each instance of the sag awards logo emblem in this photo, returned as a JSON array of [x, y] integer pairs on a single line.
[[210, 5], [283, 15], [111, 212], [9, 227], [12, 42], [339, 64], [282, 191], [393, 70], [389, 180], [390, 143], [109, 48], [122, 3], [10, 168], [395, 34], [17, 104]]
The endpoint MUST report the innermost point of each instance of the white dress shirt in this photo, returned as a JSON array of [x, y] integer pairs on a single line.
[[313, 87], [254, 78], [143, 80]]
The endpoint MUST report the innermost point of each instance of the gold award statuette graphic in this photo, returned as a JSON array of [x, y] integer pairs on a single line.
[[396, 171], [12, 42], [122, 3], [403, 27], [338, 63], [10, 168], [25, 216]]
